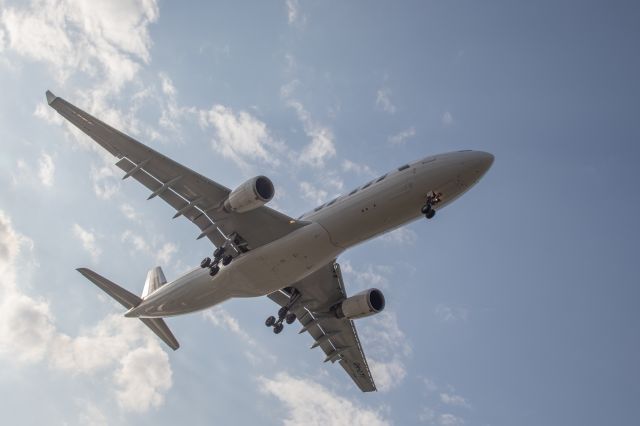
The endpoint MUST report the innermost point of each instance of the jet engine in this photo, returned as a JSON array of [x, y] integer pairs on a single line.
[[363, 304], [250, 195]]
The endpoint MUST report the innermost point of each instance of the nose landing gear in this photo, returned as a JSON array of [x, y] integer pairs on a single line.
[[283, 315], [432, 199]]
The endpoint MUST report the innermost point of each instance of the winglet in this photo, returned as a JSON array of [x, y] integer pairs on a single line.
[[50, 97]]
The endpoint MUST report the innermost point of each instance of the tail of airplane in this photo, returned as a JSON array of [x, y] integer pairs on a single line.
[[155, 279]]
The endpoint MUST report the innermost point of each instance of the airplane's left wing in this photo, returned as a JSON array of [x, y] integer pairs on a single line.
[[192, 195], [337, 337]]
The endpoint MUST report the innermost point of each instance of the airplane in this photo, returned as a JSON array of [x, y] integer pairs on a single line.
[[262, 252]]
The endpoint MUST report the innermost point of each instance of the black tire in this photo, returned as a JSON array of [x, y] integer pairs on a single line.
[[425, 209], [214, 270], [270, 321], [430, 214], [227, 259], [290, 318], [218, 252], [205, 262], [278, 328], [282, 312]]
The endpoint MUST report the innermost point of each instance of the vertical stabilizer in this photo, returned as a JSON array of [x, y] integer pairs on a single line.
[[155, 280]]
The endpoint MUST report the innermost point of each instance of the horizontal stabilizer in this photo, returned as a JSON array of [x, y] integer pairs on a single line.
[[130, 300], [158, 326], [125, 297]]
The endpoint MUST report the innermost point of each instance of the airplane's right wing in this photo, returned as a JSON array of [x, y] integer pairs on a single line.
[[192, 195], [337, 337]]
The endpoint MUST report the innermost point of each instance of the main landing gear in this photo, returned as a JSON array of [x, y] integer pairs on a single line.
[[214, 265], [283, 315], [432, 199]]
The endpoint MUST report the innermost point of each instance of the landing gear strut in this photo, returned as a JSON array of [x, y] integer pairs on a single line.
[[283, 314], [432, 199], [214, 264]]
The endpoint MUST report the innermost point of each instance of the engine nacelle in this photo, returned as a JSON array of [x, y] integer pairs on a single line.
[[363, 304], [250, 195]]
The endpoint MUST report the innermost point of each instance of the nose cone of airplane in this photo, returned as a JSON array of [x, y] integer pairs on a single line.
[[481, 161]]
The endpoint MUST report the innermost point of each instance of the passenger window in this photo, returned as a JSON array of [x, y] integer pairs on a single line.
[[405, 167], [380, 178]]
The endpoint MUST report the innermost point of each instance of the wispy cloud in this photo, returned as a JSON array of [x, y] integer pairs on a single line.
[[313, 193], [402, 136], [88, 240], [294, 15], [46, 169], [446, 313], [161, 252], [241, 137], [309, 403], [447, 119], [383, 100]]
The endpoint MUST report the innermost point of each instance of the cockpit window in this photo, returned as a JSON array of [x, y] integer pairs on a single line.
[[318, 208], [354, 191], [380, 178], [368, 184], [401, 168], [332, 201]]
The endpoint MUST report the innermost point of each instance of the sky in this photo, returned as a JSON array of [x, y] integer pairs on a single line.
[[517, 304]]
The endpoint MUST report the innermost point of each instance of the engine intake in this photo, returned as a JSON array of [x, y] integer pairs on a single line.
[[363, 304], [252, 194]]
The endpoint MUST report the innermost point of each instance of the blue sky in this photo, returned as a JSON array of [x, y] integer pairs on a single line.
[[517, 304]]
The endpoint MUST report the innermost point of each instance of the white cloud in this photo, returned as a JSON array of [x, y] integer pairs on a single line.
[[130, 212], [240, 137], [141, 371], [448, 419], [161, 253], [88, 240], [321, 148], [311, 404], [360, 169], [313, 193], [46, 169], [105, 183], [389, 374], [447, 313], [383, 100], [143, 378], [219, 317], [107, 40], [294, 15], [388, 348], [400, 236], [402, 136], [447, 119], [373, 275], [90, 414], [453, 399]]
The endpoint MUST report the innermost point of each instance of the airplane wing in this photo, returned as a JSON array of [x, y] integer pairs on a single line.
[[337, 337], [192, 195]]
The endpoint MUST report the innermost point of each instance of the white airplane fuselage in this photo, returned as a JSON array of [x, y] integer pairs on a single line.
[[378, 207]]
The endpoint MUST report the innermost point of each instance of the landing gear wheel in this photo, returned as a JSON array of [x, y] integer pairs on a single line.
[[290, 318], [270, 321], [205, 262], [430, 214], [278, 328], [218, 252], [214, 270], [227, 259], [426, 208], [282, 312]]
